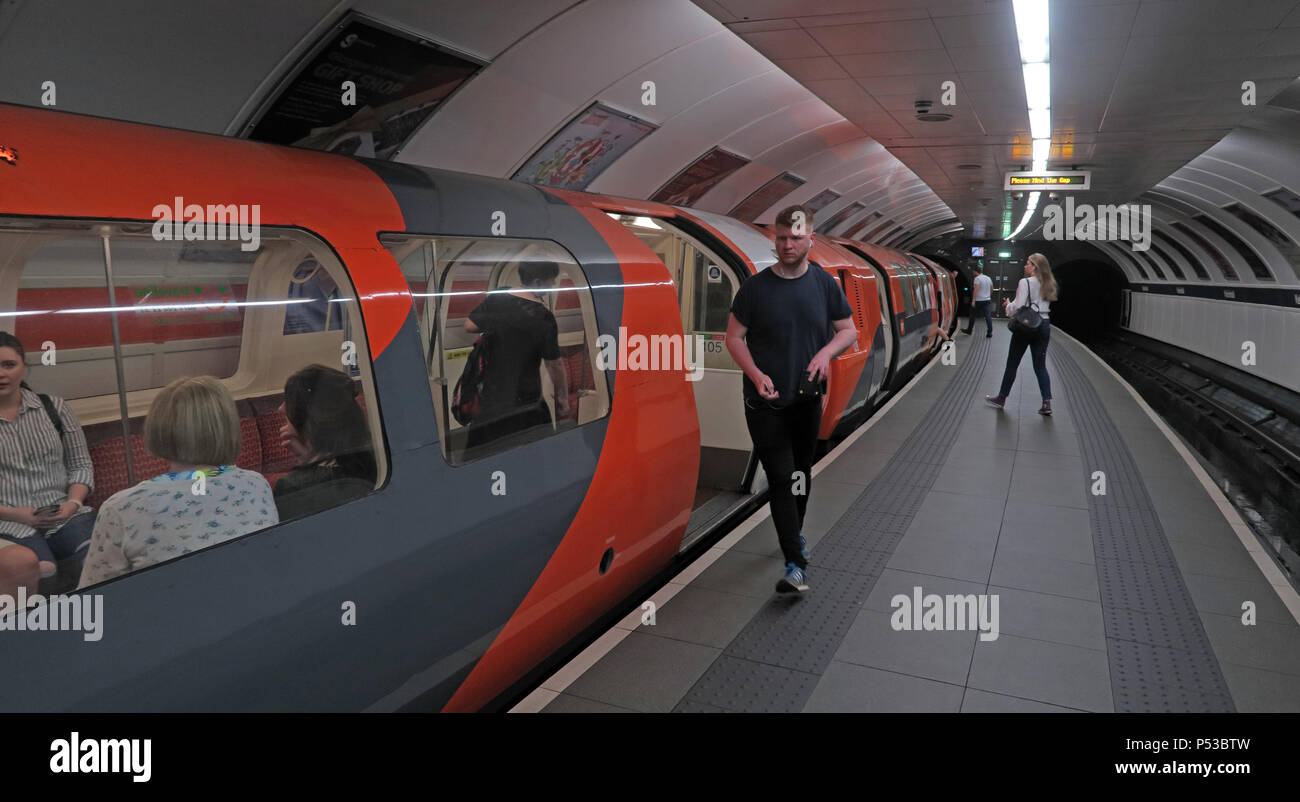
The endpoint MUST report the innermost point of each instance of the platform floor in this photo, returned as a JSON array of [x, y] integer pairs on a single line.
[[1129, 601]]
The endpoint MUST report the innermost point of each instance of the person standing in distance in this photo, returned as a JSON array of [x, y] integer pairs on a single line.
[[787, 323], [981, 302]]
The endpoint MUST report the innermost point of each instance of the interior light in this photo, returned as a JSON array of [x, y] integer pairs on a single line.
[[1032, 26], [646, 222], [1040, 123], [1042, 147], [1038, 85]]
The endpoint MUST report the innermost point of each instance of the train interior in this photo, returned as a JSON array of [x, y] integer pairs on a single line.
[[249, 318], [449, 279]]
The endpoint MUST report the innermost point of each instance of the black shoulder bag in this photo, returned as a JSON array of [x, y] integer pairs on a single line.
[[1026, 320]]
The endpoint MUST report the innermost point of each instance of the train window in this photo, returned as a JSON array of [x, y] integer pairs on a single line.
[[705, 285], [909, 293], [519, 315], [193, 309]]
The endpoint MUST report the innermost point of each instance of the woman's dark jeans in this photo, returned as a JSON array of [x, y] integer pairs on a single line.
[[1037, 345]]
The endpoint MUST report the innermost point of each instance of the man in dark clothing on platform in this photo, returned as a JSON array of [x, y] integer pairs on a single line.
[[787, 322]]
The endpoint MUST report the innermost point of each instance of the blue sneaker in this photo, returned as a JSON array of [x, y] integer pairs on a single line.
[[794, 580], [803, 546]]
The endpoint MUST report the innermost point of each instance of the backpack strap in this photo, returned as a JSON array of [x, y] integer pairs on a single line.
[[48, 403]]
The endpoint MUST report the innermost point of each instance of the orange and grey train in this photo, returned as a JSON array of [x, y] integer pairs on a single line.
[[131, 255]]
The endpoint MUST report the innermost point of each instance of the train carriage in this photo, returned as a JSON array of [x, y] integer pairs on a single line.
[[469, 565]]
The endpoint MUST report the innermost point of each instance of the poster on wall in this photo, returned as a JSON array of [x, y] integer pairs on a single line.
[[839, 217], [821, 200], [583, 149], [761, 199], [363, 91], [688, 186], [861, 224]]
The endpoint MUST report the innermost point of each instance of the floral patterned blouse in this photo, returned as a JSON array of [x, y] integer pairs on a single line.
[[166, 516]]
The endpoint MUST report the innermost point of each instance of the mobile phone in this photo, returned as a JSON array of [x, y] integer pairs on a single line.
[[48, 509]]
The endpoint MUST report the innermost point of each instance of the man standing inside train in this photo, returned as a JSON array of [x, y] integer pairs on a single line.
[[981, 302], [787, 323]]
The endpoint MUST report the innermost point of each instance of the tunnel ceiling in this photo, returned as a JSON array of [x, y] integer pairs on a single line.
[[1138, 88]]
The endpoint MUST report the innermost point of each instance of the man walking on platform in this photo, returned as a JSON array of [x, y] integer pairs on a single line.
[[981, 302], [787, 323]]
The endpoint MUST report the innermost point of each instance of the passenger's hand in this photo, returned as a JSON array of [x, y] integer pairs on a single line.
[[765, 387], [562, 407], [66, 510], [820, 367], [290, 439], [25, 516]]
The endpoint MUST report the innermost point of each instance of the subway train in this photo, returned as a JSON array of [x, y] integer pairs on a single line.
[[131, 255]]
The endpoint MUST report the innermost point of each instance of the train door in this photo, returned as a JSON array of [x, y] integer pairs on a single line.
[[706, 285]]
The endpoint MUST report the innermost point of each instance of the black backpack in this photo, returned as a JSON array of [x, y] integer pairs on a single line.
[[467, 398]]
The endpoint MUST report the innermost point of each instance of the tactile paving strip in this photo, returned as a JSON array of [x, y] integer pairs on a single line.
[[1160, 657], [775, 662]]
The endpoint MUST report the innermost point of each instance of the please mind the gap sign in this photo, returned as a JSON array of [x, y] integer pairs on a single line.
[[1050, 179]]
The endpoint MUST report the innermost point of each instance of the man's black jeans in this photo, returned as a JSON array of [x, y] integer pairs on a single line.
[[786, 442], [984, 308]]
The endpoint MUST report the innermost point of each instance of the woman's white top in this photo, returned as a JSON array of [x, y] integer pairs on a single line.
[[1034, 299]]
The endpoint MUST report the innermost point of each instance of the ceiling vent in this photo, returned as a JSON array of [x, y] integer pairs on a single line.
[[968, 166], [925, 115]]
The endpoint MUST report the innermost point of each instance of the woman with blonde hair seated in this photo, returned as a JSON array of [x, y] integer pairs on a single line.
[[201, 501]]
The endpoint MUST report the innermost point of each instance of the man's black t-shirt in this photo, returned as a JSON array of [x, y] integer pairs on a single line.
[[788, 322], [523, 333]]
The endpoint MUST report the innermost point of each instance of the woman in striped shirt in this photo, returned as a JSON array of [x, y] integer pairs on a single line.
[[45, 477]]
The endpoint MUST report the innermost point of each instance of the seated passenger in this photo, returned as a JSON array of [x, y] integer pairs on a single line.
[[193, 424], [44, 476], [523, 333], [327, 433]]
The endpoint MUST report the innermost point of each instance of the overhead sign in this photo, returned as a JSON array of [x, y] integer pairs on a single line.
[[1051, 179]]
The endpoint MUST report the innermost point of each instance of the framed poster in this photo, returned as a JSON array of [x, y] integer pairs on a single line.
[[839, 217], [583, 149], [861, 224], [398, 81], [688, 186], [821, 200], [762, 198]]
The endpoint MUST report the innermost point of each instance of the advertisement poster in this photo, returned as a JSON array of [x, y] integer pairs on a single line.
[[860, 225], [583, 149], [761, 199], [687, 187], [399, 81], [839, 217], [821, 200]]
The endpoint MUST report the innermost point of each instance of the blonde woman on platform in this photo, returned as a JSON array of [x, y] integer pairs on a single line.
[[1037, 290]]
